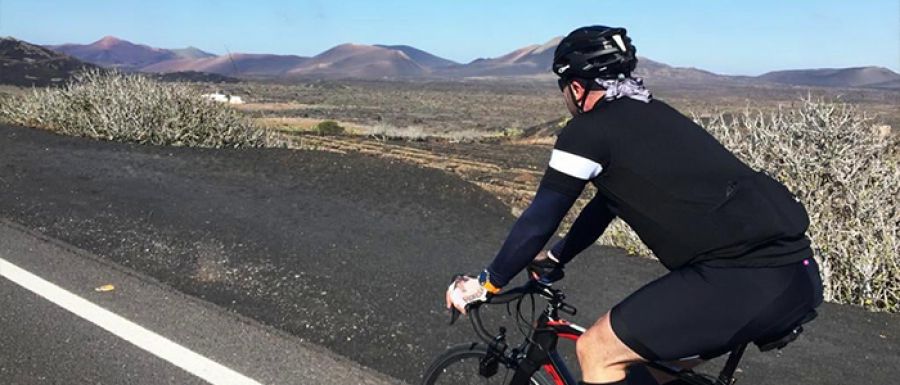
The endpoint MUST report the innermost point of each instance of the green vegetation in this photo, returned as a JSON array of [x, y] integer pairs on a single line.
[[329, 128], [132, 108], [513, 132]]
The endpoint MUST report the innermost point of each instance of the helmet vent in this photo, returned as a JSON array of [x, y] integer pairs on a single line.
[[618, 39]]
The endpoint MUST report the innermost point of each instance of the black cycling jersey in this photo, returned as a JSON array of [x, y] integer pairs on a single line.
[[685, 195]]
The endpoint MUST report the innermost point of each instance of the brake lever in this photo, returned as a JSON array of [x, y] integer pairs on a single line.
[[568, 309]]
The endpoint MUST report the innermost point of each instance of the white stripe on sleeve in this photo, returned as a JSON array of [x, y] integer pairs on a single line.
[[574, 165]]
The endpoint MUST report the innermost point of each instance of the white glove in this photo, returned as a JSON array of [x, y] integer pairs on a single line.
[[463, 291]]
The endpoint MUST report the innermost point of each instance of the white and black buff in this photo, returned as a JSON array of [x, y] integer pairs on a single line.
[[632, 87]]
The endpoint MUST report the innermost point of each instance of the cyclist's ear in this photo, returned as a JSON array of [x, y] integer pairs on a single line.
[[577, 88]]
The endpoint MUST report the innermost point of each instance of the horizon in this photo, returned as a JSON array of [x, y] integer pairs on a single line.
[[395, 45], [811, 35]]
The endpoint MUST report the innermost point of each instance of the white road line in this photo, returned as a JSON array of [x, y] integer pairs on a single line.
[[156, 344]]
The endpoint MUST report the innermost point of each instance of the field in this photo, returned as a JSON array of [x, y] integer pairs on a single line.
[[495, 107]]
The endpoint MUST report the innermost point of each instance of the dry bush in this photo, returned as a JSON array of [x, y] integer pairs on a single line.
[[132, 108], [329, 128], [844, 168], [847, 174], [384, 133]]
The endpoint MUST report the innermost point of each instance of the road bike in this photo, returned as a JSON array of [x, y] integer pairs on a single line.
[[536, 359]]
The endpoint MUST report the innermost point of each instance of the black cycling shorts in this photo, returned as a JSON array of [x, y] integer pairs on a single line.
[[704, 311]]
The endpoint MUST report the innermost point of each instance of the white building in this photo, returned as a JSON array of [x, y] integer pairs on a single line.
[[224, 98]]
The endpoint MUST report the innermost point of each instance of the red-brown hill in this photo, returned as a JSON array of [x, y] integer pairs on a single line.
[[111, 51], [238, 64], [361, 61]]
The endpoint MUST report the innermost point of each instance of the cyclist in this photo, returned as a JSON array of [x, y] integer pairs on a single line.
[[733, 239]]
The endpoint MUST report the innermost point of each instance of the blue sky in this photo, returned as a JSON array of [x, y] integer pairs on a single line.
[[731, 37]]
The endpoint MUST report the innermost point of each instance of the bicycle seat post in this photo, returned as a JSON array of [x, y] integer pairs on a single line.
[[726, 376]]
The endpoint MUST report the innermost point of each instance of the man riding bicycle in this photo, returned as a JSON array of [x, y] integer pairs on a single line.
[[733, 239]]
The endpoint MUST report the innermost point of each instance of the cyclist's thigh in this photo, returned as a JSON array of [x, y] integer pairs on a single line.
[[705, 311]]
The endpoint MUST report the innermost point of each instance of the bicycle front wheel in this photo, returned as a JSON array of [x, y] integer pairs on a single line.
[[459, 365]]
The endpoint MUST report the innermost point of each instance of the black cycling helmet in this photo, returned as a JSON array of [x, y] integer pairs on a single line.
[[594, 52]]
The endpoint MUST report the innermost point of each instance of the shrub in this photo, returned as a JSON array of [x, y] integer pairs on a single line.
[[513, 132], [848, 176], [846, 171], [384, 133], [132, 108], [329, 128]]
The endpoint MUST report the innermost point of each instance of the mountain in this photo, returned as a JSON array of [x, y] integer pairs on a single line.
[[238, 64], [360, 61], [834, 77], [531, 60], [191, 53], [423, 58], [26, 64], [343, 61], [657, 72], [113, 52], [888, 85], [535, 60]]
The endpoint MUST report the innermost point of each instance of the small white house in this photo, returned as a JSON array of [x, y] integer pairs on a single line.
[[224, 98]]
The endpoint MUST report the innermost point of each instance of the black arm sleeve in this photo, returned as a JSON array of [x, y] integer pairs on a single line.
[[535, 226], [578, 156], [590, 225]]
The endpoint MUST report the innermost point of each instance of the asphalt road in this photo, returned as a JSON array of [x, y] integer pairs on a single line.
[[42, 343], [345, 251]]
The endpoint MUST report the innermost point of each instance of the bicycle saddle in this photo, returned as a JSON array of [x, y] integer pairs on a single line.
[[781, 339]]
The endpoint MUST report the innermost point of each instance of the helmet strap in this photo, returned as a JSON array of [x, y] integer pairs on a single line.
[[579, 103]]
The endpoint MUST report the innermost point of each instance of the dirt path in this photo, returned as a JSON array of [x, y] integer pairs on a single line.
[[514, 184]]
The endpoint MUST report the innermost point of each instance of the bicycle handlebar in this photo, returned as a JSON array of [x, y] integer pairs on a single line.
[[530, 287]]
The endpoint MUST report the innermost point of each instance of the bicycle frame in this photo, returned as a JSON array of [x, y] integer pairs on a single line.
[[549, 328], [557, 367]]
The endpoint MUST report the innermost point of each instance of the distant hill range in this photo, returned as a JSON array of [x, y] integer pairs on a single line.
[[117, 53], [24, 64], [239, 64], [405, 62], [837, 77]]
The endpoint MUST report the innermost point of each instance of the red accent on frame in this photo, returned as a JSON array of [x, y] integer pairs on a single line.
[[556, 378], [564, 329]]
